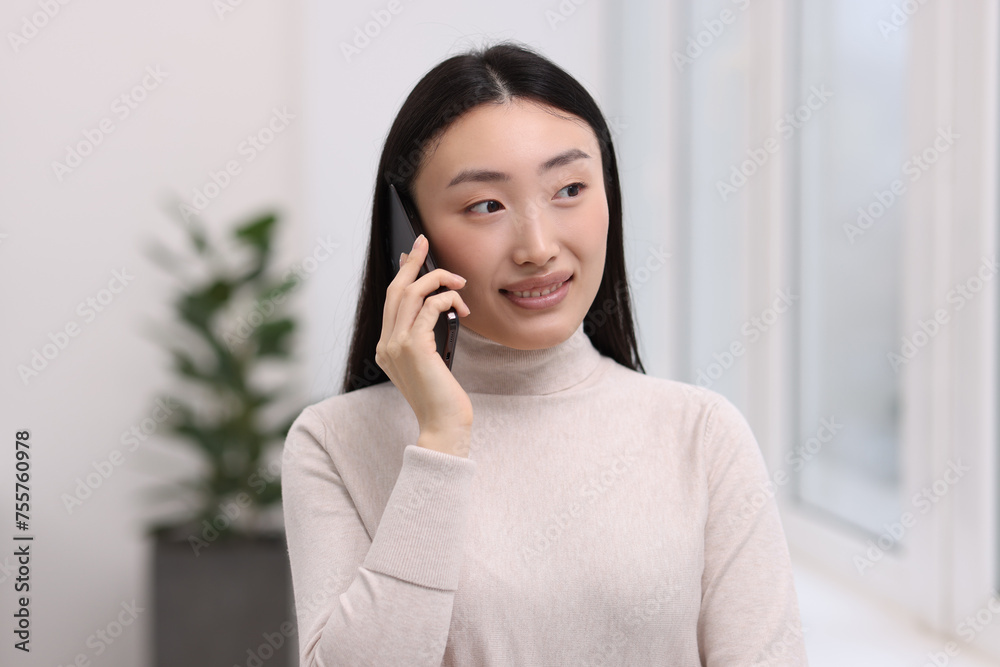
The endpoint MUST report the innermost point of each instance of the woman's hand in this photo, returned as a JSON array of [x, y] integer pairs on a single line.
[[407, 352]]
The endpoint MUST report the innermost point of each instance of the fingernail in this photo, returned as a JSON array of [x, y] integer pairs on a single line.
[[417, 240], [402, 257]]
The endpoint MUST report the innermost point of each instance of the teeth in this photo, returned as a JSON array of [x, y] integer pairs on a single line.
[[543, 293]]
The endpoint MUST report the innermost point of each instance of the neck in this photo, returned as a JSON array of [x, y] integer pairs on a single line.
[[484, 366]]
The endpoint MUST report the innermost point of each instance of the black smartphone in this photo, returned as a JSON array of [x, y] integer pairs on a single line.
[[404, 228]]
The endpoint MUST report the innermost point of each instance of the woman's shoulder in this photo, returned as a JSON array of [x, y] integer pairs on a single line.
[[345, 410], [682, 404], [365, 398], [675, 391]]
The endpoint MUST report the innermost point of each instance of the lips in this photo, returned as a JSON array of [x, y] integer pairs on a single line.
[[538, 285], [542, 292], [543, 302]]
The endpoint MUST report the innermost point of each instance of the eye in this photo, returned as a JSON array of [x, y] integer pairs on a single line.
[[577, 186], [472, 208]]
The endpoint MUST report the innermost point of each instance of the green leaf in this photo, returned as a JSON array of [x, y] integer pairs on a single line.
[[257, 233], [284, 287], [199, 307], [198, 238], [230, 370], [196, 232], [208, 439], [273, 338], [184, 365], [270, 493], [255, 401]]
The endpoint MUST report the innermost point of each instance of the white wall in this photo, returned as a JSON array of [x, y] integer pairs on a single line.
[[63, 241]]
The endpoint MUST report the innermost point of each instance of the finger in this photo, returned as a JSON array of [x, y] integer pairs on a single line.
[[416, 254], [454, 300], [415, 295], [436, 304], [407, 272]]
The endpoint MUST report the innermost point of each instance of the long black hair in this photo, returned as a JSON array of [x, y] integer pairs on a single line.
[[492, 74]]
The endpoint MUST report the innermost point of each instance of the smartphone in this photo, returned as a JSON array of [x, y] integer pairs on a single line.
[[404, 228]]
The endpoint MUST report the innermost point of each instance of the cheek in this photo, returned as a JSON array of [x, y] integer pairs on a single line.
[[448, 253], [464, 257], [594, 262], [596, 233]]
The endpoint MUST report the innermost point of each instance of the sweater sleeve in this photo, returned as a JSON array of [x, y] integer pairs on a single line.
[[749, 608], [385, 600]]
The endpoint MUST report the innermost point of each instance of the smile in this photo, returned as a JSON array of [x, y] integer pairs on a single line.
[[541, 298], [547, 290]]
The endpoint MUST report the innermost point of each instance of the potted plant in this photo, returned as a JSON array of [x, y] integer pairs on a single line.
[[222, 586]]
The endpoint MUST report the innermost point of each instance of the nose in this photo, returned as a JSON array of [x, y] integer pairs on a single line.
[[535, 239]]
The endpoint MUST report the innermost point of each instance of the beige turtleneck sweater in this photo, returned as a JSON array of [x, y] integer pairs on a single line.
[[603, 517]]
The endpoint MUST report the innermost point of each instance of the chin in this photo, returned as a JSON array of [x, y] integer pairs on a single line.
[[531, 340]]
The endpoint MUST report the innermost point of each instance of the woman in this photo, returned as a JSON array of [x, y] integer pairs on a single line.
[[544, 502]]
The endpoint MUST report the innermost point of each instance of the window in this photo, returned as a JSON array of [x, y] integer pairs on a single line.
[[853, 176]]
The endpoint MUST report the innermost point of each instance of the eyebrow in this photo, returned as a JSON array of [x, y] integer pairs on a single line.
[[487, 176]]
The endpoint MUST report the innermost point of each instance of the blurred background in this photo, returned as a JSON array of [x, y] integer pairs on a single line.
[[810, 224]]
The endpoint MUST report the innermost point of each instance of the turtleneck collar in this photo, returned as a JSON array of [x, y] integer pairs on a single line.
[[484, 366]]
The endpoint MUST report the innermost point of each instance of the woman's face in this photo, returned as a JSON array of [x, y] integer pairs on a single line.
[[512, 199]]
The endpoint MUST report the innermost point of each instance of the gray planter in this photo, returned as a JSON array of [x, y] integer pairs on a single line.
[[229, 604]]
